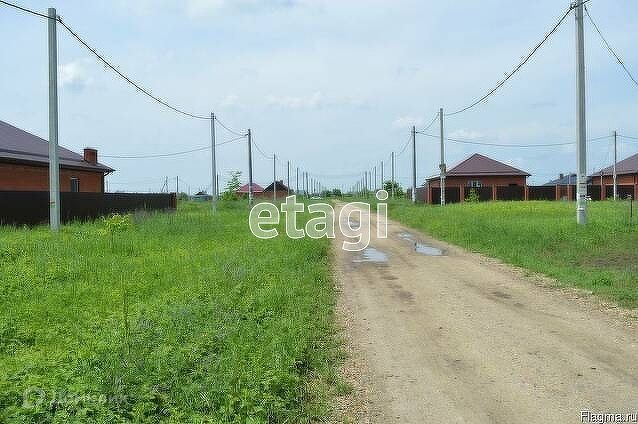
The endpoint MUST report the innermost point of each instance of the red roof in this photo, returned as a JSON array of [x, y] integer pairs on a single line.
[[479, 165], [625, 166], [244, 189]]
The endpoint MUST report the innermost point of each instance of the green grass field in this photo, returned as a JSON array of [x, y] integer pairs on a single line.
[[543, 237], [179, 318]]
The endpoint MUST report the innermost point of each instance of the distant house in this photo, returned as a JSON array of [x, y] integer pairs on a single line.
[[24, 164], [282, 190], [479, 172], [627, 178], [243, 190]]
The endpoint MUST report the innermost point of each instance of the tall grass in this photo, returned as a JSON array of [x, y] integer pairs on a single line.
[[181, 317], [543, 237]]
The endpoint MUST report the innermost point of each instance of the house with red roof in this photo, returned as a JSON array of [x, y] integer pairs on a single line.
[[489, 178], [24, 164]]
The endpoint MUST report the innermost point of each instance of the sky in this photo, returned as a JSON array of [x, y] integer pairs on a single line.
[[333, 86]]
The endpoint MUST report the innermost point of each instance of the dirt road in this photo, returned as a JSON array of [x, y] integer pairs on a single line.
[[459, 338]]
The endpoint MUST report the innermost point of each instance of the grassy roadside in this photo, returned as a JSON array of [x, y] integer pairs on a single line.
[[543, 237], [170, 317]]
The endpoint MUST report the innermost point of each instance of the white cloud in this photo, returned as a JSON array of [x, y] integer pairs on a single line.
[[201, 8], [313, 101], [407, 121], [231, 101], [73, 75], [465, 134]]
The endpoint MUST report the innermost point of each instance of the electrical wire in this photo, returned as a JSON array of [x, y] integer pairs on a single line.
[[238, 133], [517, 67], [126, 78], [405, 146], [164, 155], [24, 9], [431, 122], [609, 48], [479, 143], [627, 136], [261, 151]]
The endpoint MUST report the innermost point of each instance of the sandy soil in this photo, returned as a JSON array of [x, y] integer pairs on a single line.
[[461, 338]]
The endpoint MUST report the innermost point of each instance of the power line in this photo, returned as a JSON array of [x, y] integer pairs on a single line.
[[259, 149], [405, 146], [229, 129], [457, 140], [126, 78], [518, 67], [24, 9], [431, 122], [627, 136], [164, 155], [609, 48]]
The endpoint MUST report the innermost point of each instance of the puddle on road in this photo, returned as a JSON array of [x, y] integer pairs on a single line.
[[421, 247], [370, 254], [427, 250]]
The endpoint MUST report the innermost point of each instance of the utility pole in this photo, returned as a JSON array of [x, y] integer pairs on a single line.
[[374, 185], [250, 168], [615, 162], [297, 183], [288, 177], [392, 166], [442, 165], [306, 184], [213, 161], [274, 177], [581, 134], [381, 175], [177, 184], [54, 166], [413, 164]]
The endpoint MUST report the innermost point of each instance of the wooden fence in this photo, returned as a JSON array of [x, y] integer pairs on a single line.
[[32, 207]]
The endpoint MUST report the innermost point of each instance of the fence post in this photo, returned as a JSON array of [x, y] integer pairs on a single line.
[[494, 193]]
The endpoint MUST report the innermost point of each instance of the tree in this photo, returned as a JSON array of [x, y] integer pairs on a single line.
[[473, 196], [336, 192], [232, 185], [398, 190]]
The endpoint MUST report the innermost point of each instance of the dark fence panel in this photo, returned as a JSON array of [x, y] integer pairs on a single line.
[[510, 193], [593, 191], [624, 191], [541, 192], [32, 207], [452, 195]]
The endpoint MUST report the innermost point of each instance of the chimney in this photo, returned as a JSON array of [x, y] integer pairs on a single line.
[[90, 155], [561, 176]]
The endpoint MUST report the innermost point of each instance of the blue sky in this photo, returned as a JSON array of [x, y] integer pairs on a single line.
[[332, 86]]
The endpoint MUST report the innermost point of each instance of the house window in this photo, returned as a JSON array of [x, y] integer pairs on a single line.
[[75, 185], [474, 183]]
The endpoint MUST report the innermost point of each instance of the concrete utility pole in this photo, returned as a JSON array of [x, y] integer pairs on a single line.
[[307, 188], [413, 164], [392, 167], [442, 165], [274, 177], [615, 162], [54, 165], [288, 177], [250, 167], [213, 161], [581, 134], [381, 175], [177, 184], [375, 179], [297, 183]]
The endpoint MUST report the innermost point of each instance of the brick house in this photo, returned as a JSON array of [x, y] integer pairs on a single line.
[[282, 190], [626, 178], [486, 175], [24, 164]]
